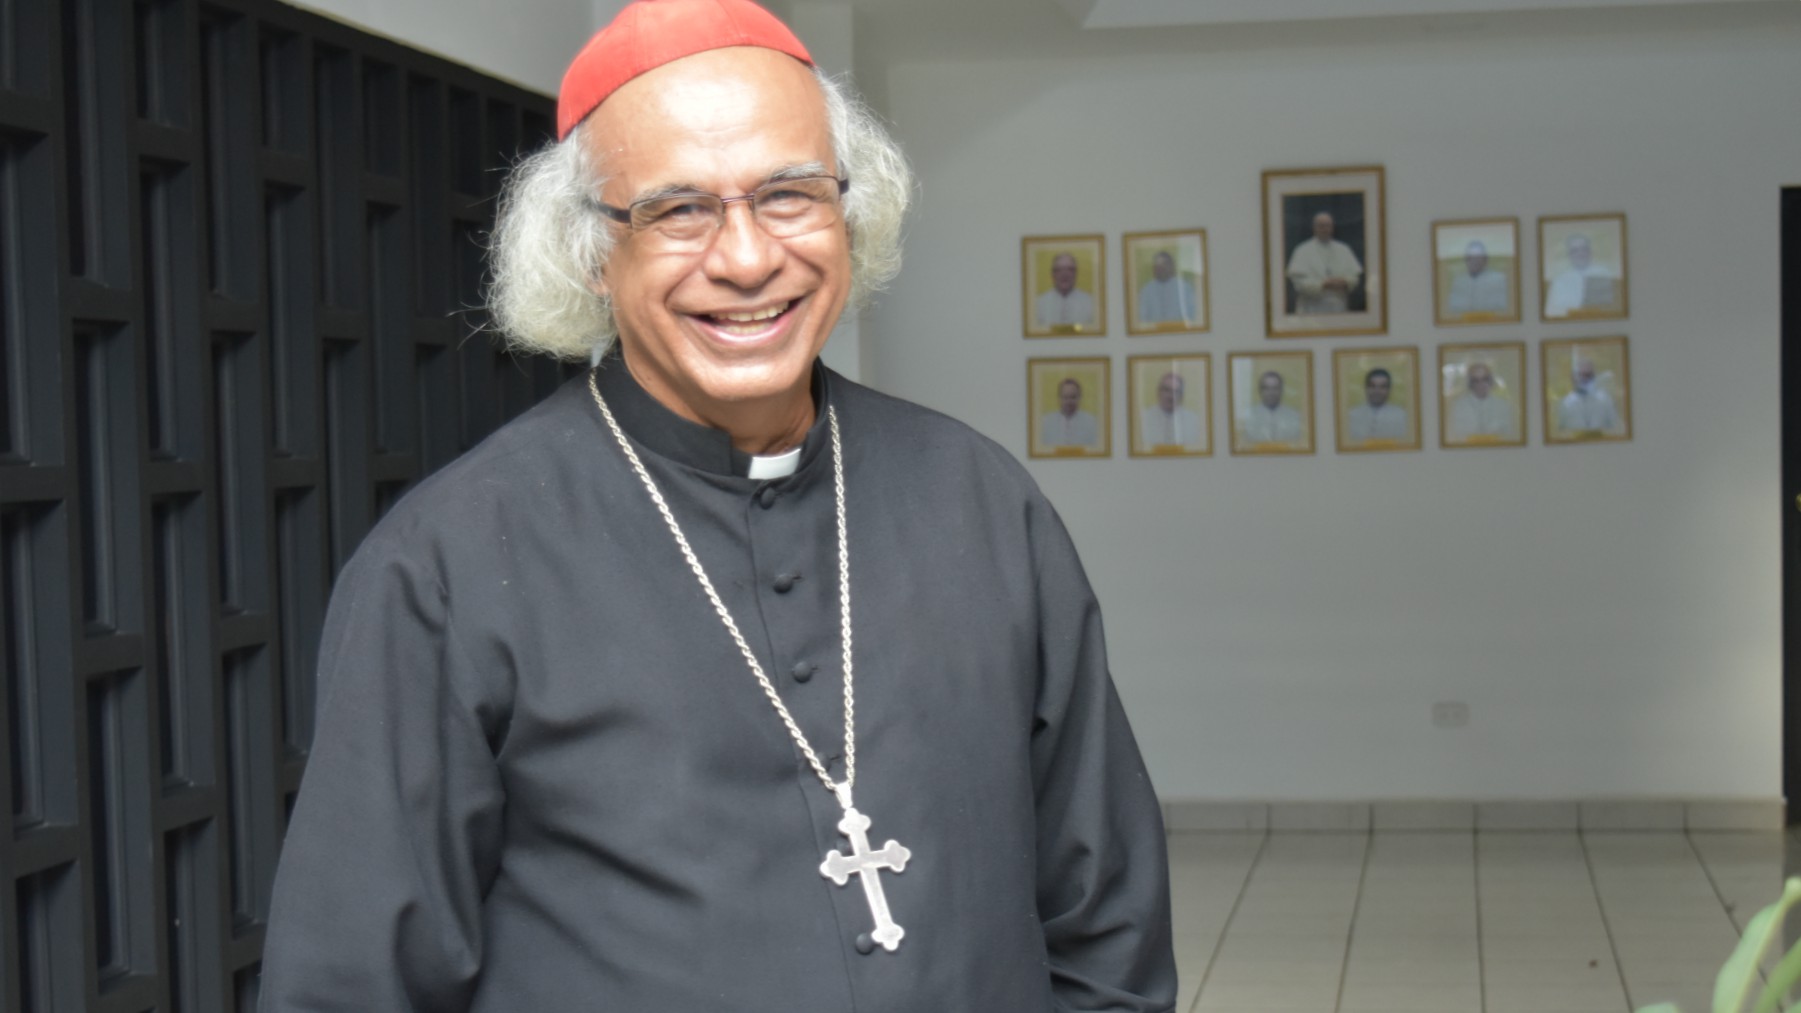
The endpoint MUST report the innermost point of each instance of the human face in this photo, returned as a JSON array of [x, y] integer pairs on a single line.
[[725, 336], [1476, 260], [1163, 266], [1579, 252], [1169, 392], [1375, 391], [1584, 374], [1069, 397], [1481, 381], [1269, 388], [1322, 227], [1063, 272]]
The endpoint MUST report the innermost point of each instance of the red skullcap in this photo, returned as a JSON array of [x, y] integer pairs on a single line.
[[649, 33]]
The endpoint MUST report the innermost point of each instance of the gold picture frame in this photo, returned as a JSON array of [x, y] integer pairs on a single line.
[[1376, 399], [1063, 426], [1582, 268], [1476, 271], [1055, 305], [1597, 411], [1270, 419], [1482, 395], [1325, 260], [1167, 288], [1169, 405]]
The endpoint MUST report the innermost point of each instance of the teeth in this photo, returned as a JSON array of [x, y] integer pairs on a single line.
[[754, 316]]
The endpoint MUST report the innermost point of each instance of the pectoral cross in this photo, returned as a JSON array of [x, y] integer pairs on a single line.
[[864, 864]]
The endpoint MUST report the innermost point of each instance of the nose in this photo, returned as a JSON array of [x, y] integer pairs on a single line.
[[742, 254]]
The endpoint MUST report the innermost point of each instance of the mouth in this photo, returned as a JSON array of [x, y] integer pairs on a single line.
[[742, 325]]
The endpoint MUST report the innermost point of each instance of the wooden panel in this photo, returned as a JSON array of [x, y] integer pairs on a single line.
[[238, 247]]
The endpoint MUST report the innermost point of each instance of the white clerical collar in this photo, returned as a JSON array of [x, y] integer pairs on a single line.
[[765, 467]]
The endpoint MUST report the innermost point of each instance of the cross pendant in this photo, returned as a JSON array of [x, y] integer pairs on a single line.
[[864, 863]]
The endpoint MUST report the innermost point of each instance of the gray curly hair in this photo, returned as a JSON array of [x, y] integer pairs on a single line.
[[549, 244]]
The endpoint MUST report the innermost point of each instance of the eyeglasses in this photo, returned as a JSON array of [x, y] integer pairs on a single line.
[[784, 209]]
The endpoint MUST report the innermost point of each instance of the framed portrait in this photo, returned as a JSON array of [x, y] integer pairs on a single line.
[[1582, 267], [1063, 285], [1482, 395], [1587, 390], [1269, 397], [1166, 282], [1476, 271], [1376, 398], [1324, 252], [1069, 410], [1170, 410]]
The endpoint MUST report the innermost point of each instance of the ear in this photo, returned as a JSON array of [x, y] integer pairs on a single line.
[[598, 284]]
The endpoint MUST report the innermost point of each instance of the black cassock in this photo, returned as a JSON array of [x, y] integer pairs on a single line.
[[545, 779]]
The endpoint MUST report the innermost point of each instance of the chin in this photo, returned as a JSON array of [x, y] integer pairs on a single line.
[[729, 383]]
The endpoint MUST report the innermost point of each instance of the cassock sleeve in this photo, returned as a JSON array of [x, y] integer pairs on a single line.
[[1103, 871], [1354, 272], [395, 835]]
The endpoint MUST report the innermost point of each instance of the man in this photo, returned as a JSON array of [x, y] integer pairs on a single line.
[[1478, 289], [1167, 423], [1166, 297], [1582, 284], [1069, 425], [1480, 415], [1269, 420], [1323, 270], [1587, 408], [583, 691], [1377, 418], [1063, 304]]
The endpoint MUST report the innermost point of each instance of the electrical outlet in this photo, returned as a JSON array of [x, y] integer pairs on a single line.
[[1451, 714]]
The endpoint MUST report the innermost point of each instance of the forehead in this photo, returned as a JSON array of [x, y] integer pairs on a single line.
[[724, 119]]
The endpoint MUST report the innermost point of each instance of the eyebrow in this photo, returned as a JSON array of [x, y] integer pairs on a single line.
[[801, 170]]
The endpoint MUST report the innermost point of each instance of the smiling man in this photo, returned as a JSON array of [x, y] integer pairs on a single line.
[[716, 681]]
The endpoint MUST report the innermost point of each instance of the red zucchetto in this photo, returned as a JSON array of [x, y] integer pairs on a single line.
[[649, 33]]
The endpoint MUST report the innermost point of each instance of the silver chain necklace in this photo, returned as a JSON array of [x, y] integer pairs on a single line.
[[863, 862]]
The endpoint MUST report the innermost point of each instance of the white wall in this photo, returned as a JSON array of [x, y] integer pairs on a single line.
[[1279, 628]]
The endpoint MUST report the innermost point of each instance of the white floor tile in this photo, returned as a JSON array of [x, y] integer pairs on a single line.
[[1446, 921]]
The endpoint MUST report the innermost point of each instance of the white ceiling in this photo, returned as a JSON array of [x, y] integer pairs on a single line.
[[1171, 13], [530, 41], [891, 32]]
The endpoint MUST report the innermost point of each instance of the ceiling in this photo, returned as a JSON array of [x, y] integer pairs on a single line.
[[1170, 13], [890, 32]]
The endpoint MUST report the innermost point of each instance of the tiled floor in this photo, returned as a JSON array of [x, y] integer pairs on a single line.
[[1489, 922]]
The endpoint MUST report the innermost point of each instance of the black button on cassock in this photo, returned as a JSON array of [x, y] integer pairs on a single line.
[[804, 671], [766, 498], [865, 945], [784, 582]]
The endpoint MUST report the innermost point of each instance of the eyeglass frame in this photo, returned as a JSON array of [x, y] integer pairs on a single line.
[[624, 215]]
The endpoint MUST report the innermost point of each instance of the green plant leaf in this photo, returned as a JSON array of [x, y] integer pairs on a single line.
[[1738, 976], [1782, 979]]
